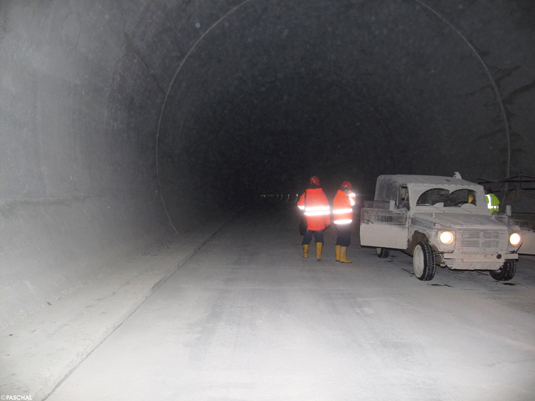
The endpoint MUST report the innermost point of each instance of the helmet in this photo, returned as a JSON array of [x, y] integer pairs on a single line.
[[471, 198], [346, 185], [315, 180]]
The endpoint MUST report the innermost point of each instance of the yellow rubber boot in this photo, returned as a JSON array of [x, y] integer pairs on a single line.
[[319, 248], [343, 255], [337, 252], [305, 251]]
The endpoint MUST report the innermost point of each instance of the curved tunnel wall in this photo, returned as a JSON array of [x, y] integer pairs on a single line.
[[123, 121]]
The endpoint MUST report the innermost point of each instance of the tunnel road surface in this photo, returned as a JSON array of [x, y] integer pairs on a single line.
[[247, 318]]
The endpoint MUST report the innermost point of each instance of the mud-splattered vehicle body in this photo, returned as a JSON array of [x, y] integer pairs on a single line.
[[440, 221]]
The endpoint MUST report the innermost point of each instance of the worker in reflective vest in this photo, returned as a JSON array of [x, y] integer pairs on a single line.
[[493, 203], [315, 206], [343, 203]]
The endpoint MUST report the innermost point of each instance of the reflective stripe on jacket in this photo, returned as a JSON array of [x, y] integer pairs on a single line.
[[343, 207], [493, 203], [317, 210]]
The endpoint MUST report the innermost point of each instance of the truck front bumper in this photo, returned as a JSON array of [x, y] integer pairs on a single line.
[[474, 261]]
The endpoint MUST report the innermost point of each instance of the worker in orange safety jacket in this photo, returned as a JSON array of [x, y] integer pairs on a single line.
[[315, 205], [343, 203]]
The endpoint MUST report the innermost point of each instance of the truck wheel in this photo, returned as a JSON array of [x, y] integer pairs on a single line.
[[423, 261], [506, 272], [382, 252]]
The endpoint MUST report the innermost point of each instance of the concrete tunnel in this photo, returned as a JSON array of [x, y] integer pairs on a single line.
[[124, 122]]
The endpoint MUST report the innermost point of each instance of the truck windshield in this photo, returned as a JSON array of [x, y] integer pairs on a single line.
[[441, 195]]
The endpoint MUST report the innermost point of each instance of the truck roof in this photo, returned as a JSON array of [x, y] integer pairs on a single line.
[[402, 179], [387, 185]]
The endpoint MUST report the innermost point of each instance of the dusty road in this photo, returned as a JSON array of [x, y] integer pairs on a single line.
[[247, 318]]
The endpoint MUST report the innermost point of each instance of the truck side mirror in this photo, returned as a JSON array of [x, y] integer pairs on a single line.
[[508, 210], [392, 205]]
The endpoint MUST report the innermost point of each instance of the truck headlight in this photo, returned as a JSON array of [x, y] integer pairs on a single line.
[[515, 239], [446, 237]]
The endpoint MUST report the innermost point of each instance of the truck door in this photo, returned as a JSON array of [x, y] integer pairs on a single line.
[[384, 225]]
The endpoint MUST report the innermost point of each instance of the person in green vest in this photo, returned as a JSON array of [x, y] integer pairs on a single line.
[[493, 203]]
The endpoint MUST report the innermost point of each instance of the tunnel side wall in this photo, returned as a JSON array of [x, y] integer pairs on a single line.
[[79, 109]]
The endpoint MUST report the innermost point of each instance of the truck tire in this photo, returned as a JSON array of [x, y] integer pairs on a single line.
[[506, 272], [423, 261], [382, 252]]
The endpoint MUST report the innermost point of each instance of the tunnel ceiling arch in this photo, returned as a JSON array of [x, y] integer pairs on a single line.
[[419, 76]]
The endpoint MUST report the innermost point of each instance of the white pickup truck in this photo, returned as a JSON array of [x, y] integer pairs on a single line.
[[440, 221]]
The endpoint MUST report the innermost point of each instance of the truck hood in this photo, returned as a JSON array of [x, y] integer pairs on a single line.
[[456, 221]]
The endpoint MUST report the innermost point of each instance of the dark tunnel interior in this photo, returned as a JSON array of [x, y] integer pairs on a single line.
[[124, 121], [275, 92]]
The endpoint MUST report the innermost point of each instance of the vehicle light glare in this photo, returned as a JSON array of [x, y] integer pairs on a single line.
[[446, 237], [514, 239]]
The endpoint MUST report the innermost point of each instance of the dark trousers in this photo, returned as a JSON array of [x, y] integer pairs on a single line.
[[318, 234], [344, 234]]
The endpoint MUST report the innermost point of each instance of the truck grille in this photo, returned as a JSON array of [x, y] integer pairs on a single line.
[[489, 239]]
